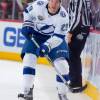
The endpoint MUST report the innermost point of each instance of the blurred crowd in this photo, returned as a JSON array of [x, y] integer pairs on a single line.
[[5, 9], [95, 13], [12, 9]]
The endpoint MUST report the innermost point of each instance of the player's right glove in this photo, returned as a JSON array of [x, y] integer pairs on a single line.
[[42, 51]]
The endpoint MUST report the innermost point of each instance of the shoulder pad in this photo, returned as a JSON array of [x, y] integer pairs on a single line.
[[28, 9], [62, 14], [40, 3]]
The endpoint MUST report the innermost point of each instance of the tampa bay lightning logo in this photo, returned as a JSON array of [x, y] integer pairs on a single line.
[[45, 29]]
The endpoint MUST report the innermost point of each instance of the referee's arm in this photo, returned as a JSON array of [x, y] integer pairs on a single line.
[[77, 15], [76, 19]]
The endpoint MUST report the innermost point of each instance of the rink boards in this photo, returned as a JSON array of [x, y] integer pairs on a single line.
[[11, 42]]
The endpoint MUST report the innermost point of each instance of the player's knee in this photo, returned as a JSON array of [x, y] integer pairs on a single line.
[[29, 60], [62, 66], [29, 63]]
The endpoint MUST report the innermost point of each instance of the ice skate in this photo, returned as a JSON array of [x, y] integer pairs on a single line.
[[28, 96], [62, 97]]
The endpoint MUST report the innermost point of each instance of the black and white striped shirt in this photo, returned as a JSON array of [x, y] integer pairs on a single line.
[[79, 13]]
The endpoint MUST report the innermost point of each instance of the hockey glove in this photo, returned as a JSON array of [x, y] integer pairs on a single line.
[[42, 51]]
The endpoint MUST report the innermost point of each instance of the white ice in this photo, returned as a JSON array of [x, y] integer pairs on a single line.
[[45, 84]]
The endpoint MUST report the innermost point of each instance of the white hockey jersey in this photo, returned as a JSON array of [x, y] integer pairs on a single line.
[[36, 15]]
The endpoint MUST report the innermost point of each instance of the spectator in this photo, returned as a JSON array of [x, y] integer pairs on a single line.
[[95, 7], [4, 6], [22, 4], [19, 2]]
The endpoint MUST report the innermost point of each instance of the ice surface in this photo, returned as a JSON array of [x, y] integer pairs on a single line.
[[45, 84]]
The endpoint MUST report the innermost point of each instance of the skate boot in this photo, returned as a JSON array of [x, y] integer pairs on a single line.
[[62, 97], [28, 96], [77, 87]]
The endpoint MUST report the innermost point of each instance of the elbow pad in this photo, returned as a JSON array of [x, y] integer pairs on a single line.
[[27, 32]]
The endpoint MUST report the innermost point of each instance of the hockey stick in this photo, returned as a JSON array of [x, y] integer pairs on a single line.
[[76, 90], [65, 82]]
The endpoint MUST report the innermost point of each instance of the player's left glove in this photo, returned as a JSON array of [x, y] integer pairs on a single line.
[[42, 51]]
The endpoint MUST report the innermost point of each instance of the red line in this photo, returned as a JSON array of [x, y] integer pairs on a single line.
[[8, 20]]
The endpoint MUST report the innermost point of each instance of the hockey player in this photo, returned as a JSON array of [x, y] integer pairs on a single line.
[[46, 23]]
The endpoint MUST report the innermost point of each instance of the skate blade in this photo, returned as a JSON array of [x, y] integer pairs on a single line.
[[20, 98]]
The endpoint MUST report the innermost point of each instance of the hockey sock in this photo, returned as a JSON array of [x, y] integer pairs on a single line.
[[60, 65], [29, 63]]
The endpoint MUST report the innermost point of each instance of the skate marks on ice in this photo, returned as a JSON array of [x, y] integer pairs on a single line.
[[45, 84], [11, 82], [78, 96]]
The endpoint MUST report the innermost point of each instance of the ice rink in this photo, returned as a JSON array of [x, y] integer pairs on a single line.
[[45, 84]]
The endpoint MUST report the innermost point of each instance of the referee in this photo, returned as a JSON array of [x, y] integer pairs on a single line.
[[79, 26]]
